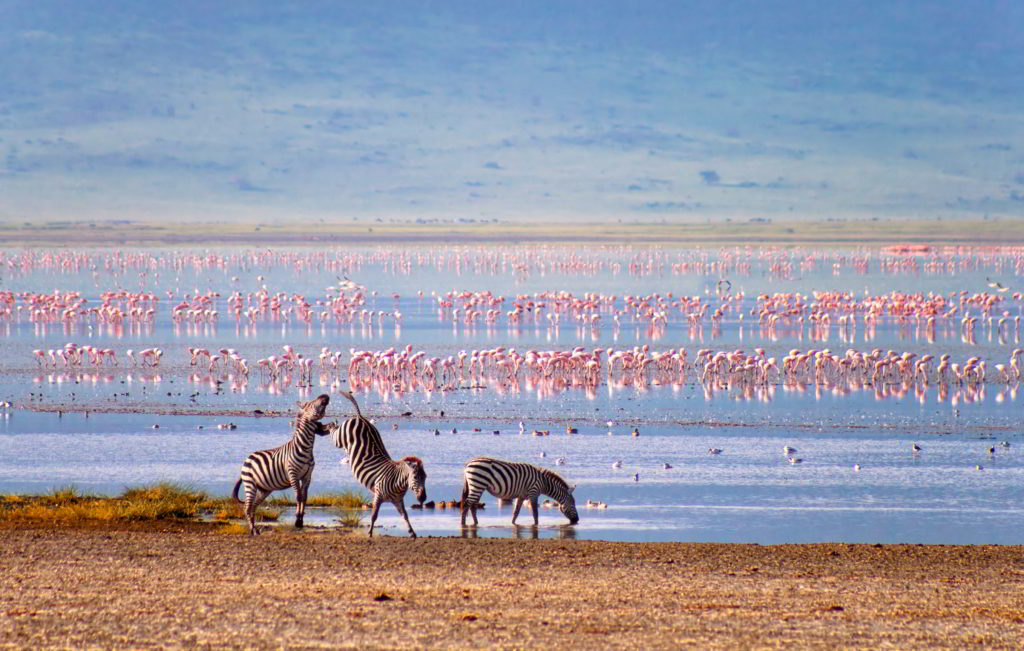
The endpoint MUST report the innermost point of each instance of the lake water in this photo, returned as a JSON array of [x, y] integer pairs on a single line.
[[747, 493]]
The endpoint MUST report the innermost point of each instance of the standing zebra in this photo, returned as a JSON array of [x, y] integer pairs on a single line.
[[388, 480], [291, 464], [522, 481]]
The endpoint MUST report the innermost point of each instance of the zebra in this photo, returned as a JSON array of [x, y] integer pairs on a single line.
[[388, 480], [522, 481], [290, 465]]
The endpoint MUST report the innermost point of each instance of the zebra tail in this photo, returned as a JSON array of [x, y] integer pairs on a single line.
[[352, 399], [234, 493], [465, 494]]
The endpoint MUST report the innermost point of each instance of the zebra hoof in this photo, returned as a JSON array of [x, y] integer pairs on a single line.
[[298, 523], [412, 534]]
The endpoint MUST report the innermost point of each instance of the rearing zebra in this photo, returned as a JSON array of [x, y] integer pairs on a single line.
[[388, 480], [266, 471], [522, 481]]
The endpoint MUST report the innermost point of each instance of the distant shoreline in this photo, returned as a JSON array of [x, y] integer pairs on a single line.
[[63, 234]]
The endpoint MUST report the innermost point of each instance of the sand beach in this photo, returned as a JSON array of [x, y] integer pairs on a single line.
[[186, 584]]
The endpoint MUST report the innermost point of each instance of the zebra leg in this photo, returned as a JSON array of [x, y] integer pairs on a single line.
[[400, 505], [533, 506], [300, 502], [253, 499], [250, 514], [376, 509], [474, 499], [301, 490], [465, 501], [519, 505], [470, 500]]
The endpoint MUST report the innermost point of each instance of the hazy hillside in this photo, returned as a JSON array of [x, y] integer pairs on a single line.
[[511, 110]]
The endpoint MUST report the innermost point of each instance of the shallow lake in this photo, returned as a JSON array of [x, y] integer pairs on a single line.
[[747, 493]]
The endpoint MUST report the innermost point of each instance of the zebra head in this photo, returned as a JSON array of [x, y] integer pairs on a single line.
[[417, 477], [562, 493], [314, 409], [568, 507]]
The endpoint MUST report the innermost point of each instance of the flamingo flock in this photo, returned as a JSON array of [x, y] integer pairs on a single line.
[[115, 308], [813, 320], [77, 356], [775, 317], [403, 370]]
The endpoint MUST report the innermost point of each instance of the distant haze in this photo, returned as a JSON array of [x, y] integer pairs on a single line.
[[520, 111]]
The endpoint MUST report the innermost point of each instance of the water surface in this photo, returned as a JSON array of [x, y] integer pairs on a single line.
[[748, 493]]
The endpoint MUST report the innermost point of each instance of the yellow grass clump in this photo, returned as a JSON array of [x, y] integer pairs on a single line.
[[160, 501], [340, 500], [351, 519], [64, 505], [233, 529]]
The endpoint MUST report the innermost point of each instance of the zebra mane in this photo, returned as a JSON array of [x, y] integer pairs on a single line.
[[373, 436], [556, 479], [348, 394]]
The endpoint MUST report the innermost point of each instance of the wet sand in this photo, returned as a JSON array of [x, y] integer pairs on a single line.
[[174, 585]]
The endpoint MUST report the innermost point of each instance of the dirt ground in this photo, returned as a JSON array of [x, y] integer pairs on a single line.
[[188, 585]]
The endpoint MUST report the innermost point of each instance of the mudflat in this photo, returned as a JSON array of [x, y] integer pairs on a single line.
[[346, 233], [176, 585]]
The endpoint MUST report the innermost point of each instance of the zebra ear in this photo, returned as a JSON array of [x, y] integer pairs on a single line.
[[572, 488]]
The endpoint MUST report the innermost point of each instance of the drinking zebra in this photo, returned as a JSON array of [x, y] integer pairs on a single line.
[[388, 480], [507, 480], [291, 464]]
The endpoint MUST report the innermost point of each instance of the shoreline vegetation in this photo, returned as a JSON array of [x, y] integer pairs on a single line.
[[161, 502], [938, 232]]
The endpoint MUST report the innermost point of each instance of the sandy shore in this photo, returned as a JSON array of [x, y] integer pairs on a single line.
[[185, 585]]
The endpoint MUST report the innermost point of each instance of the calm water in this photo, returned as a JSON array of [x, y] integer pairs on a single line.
[[748, 493]]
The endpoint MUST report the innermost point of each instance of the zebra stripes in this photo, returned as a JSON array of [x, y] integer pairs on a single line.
[[508, 480], [387, 479], [291, 464]]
